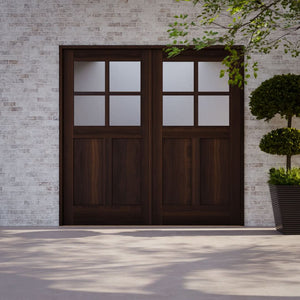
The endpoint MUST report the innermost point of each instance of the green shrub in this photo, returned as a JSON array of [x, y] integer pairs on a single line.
[[283, 177], [277, 95], [282, 141]]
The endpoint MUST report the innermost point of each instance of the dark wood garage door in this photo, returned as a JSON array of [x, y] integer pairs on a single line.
[[149, 140]]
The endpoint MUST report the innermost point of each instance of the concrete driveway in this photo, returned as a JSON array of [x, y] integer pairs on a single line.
[[127, 263]]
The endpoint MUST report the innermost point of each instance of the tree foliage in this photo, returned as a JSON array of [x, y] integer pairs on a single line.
[[259, 25], [281, 141], [284, 177], [278, 95]]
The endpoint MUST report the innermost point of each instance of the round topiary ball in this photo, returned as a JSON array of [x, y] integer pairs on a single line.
[[282, 141], [277, 95]]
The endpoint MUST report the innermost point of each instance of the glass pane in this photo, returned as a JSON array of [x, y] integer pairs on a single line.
[[209, 77], [125, 110], [178, 76], [89, 110], [213, 110], [89, 76], [125, 76], [178, 110]]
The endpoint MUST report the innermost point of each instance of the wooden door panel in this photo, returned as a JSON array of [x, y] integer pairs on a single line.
[[214, 171], [150, 174], [177, 169], [196, 217], [126, 171], [108, 215], [88, 172]]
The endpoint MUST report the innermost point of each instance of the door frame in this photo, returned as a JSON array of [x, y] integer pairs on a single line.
[[237, 132]]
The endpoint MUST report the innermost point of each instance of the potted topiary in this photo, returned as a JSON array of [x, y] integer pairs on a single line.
[[281, 95]]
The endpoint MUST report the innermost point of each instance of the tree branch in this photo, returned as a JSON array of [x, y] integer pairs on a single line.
[[265, 7], [219, 25], [282, 36]]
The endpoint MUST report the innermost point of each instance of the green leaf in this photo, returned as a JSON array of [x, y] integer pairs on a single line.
[[257, 21], [277, 95], [282, 141], [283, 177]]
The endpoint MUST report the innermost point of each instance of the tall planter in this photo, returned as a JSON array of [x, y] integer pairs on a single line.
[[280, 95], [286, 208]]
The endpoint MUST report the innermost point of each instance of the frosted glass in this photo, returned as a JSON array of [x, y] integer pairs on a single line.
[[209, 77], [125, 110], [178, 76], [89, 76], [213, 111], [89, 110], [178, 110], [125, 76]]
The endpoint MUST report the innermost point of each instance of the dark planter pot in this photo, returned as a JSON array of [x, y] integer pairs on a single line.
[[286, 208]]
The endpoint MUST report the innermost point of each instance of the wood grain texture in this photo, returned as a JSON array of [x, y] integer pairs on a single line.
[[126, 171], [67, 109], [88, 172], [177, 172], [156, 111], [214, 172], [125, 215]]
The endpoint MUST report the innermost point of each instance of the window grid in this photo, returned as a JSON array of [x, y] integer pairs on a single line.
[[107, 93], [196, 93]]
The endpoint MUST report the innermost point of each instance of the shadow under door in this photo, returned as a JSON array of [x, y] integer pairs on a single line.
[[149, 140]]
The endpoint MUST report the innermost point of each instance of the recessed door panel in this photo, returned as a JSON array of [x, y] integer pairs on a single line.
[[88, 172], [127, 171], [214, 172], [177, 172]]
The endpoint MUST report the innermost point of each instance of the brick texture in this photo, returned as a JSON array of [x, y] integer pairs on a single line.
[[31, 32]]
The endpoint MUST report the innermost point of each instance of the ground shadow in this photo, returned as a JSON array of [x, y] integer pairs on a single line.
[[58, 234], [28, 269], [22, 287], [201, 232]]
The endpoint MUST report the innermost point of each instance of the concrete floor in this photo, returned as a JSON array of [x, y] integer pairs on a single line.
[[127, 263]]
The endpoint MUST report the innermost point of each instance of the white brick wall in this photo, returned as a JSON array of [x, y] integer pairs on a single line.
[[31, 32]]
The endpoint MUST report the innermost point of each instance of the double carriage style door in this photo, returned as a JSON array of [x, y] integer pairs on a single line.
[[149, 140]]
